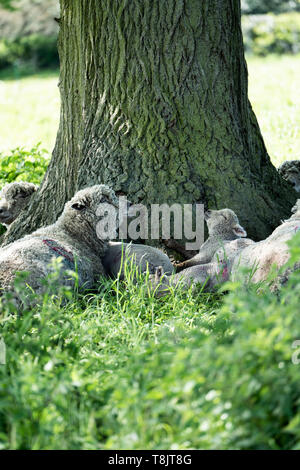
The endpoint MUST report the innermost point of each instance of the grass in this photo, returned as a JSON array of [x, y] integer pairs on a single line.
[[274, 94], [118, 369], [62, 362], [29, 110], [30, 106]]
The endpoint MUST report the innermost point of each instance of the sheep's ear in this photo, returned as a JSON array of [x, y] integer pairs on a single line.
[[239, 231], [77, 206]]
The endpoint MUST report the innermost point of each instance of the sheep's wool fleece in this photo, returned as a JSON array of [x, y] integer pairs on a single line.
[[74, 233], [272, 251]]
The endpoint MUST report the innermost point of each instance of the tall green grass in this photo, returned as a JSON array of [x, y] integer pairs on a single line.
[[118, 368]]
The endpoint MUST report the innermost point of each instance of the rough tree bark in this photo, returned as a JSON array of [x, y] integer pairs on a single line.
[[154, 103]]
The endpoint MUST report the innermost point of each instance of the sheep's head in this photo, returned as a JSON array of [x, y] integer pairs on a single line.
[[296, 210], [14, 197], [88, 208], [224, 224], [290, 171]]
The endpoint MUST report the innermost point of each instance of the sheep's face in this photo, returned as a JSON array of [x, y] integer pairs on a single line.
[[88, 206], [224, 223], [296, 209], [13, 198], [290, 171], [293, 177]]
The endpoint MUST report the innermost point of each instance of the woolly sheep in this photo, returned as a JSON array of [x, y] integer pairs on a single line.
[[227, 262], [73, 237], [144, 256], [209, 275], [290, 171], [14, 197], [223, 227], [271, 252]]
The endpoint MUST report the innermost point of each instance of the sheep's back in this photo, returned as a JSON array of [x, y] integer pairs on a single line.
[[35, 254], [273, 251]]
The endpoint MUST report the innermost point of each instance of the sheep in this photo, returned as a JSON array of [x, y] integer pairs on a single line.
[[209, 275], [271, 252], [14, 197], [223, 227], [290, 171], [72, 237], [258, 257], [143, 256]]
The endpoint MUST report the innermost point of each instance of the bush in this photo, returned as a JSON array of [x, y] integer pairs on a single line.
[[279, 34], [60, 361], [36, 50], [24, 165]]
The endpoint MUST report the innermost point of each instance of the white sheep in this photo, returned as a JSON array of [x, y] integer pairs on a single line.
[[14, 197], [259, 258], [73, 237], [208, 275], [212, 265], [273, 252], [223, 227]]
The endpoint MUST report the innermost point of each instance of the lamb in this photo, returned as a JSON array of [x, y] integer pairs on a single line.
[[209, 275], [73, 237], [143, 256], [223, 227], [269, 253], [290, 171], [14, 197], [212, 265], [227, 262]]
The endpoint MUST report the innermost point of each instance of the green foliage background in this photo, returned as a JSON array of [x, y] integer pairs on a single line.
[[35, 50], [268, 26], [257, 7], [6, 4], [24, 165], [277, 34]]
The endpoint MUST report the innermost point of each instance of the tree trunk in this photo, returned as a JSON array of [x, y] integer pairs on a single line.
[[154, 103]]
